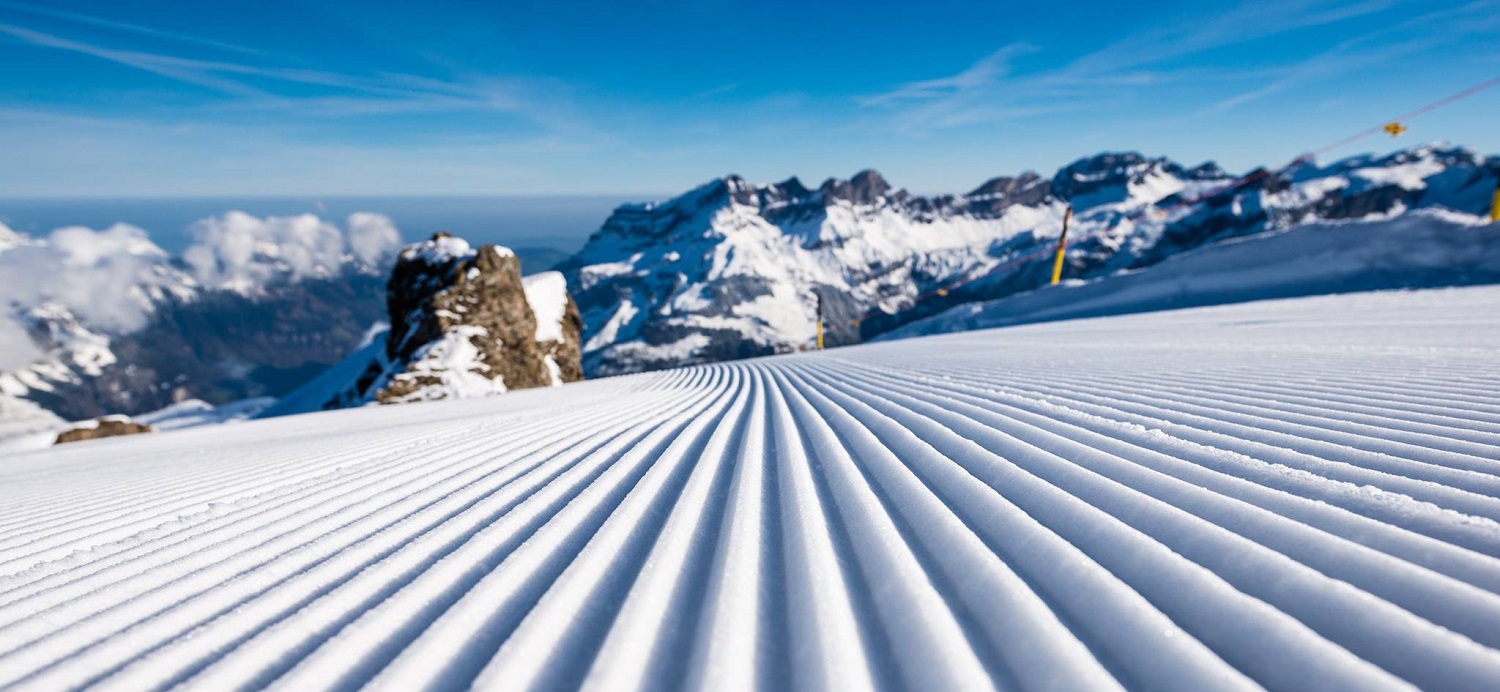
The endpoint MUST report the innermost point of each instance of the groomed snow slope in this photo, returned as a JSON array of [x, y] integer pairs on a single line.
[[1297, 494]]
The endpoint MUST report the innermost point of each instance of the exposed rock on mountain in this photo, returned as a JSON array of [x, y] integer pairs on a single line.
[[732, 270], [463, 324], [108, 426]]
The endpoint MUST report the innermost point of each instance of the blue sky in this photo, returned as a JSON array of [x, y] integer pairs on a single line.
[[380, 98]]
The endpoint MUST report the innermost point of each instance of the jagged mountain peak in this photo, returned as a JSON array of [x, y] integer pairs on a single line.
[[1026, 188], [865, 187], [1129, 177], [1208, 170]]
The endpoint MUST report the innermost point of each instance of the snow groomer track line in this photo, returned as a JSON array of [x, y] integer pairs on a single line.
[[1287, 494]]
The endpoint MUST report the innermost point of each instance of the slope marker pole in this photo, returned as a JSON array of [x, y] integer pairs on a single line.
[[1062, 244], [1495, 204], [819, 298]]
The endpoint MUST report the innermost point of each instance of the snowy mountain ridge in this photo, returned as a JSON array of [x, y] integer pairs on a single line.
[[731, 269]]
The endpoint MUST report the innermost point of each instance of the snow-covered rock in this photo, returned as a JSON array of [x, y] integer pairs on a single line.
[[463, 324]]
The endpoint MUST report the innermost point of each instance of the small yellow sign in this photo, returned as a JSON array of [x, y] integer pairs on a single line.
[[1394, 128]]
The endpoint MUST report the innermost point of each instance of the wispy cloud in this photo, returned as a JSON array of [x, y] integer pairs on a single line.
[[1326, 65], [196, 72], [992, 89], [125, 27], [1246, 22], [987, 71], [716, 91], [253, 86], [1372, 49], [971, 95]]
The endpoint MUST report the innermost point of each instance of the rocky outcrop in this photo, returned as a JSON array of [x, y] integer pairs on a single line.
[[464, 323], [108, 426], [460, 323]]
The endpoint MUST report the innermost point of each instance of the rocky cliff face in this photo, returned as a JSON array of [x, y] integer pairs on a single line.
[[464, 323]]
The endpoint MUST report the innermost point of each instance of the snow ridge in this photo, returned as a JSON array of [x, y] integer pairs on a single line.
[[1278, 494]]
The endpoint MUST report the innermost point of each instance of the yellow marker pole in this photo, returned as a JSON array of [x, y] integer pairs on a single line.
[[1062, 244], [820, 320], [1495, 204]]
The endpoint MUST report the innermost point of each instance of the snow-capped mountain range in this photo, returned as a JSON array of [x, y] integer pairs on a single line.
[[100, 322], [731, 269]]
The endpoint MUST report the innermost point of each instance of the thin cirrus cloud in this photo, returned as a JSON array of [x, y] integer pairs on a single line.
[[992, 89], [251, 87], [126, 27], [1416, 35]]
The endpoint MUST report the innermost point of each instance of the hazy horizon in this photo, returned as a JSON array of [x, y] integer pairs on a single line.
[[561, 222]]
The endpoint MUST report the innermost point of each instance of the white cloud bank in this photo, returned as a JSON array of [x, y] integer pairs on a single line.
[[240, 251], [107, 278]]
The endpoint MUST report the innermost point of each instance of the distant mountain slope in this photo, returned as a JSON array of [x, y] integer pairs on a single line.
[[731, 270], [1422, 249]]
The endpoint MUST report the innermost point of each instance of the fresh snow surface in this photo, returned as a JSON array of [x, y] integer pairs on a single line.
[[24, 424], [547, 293], [195, 412], [1299, 493]]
